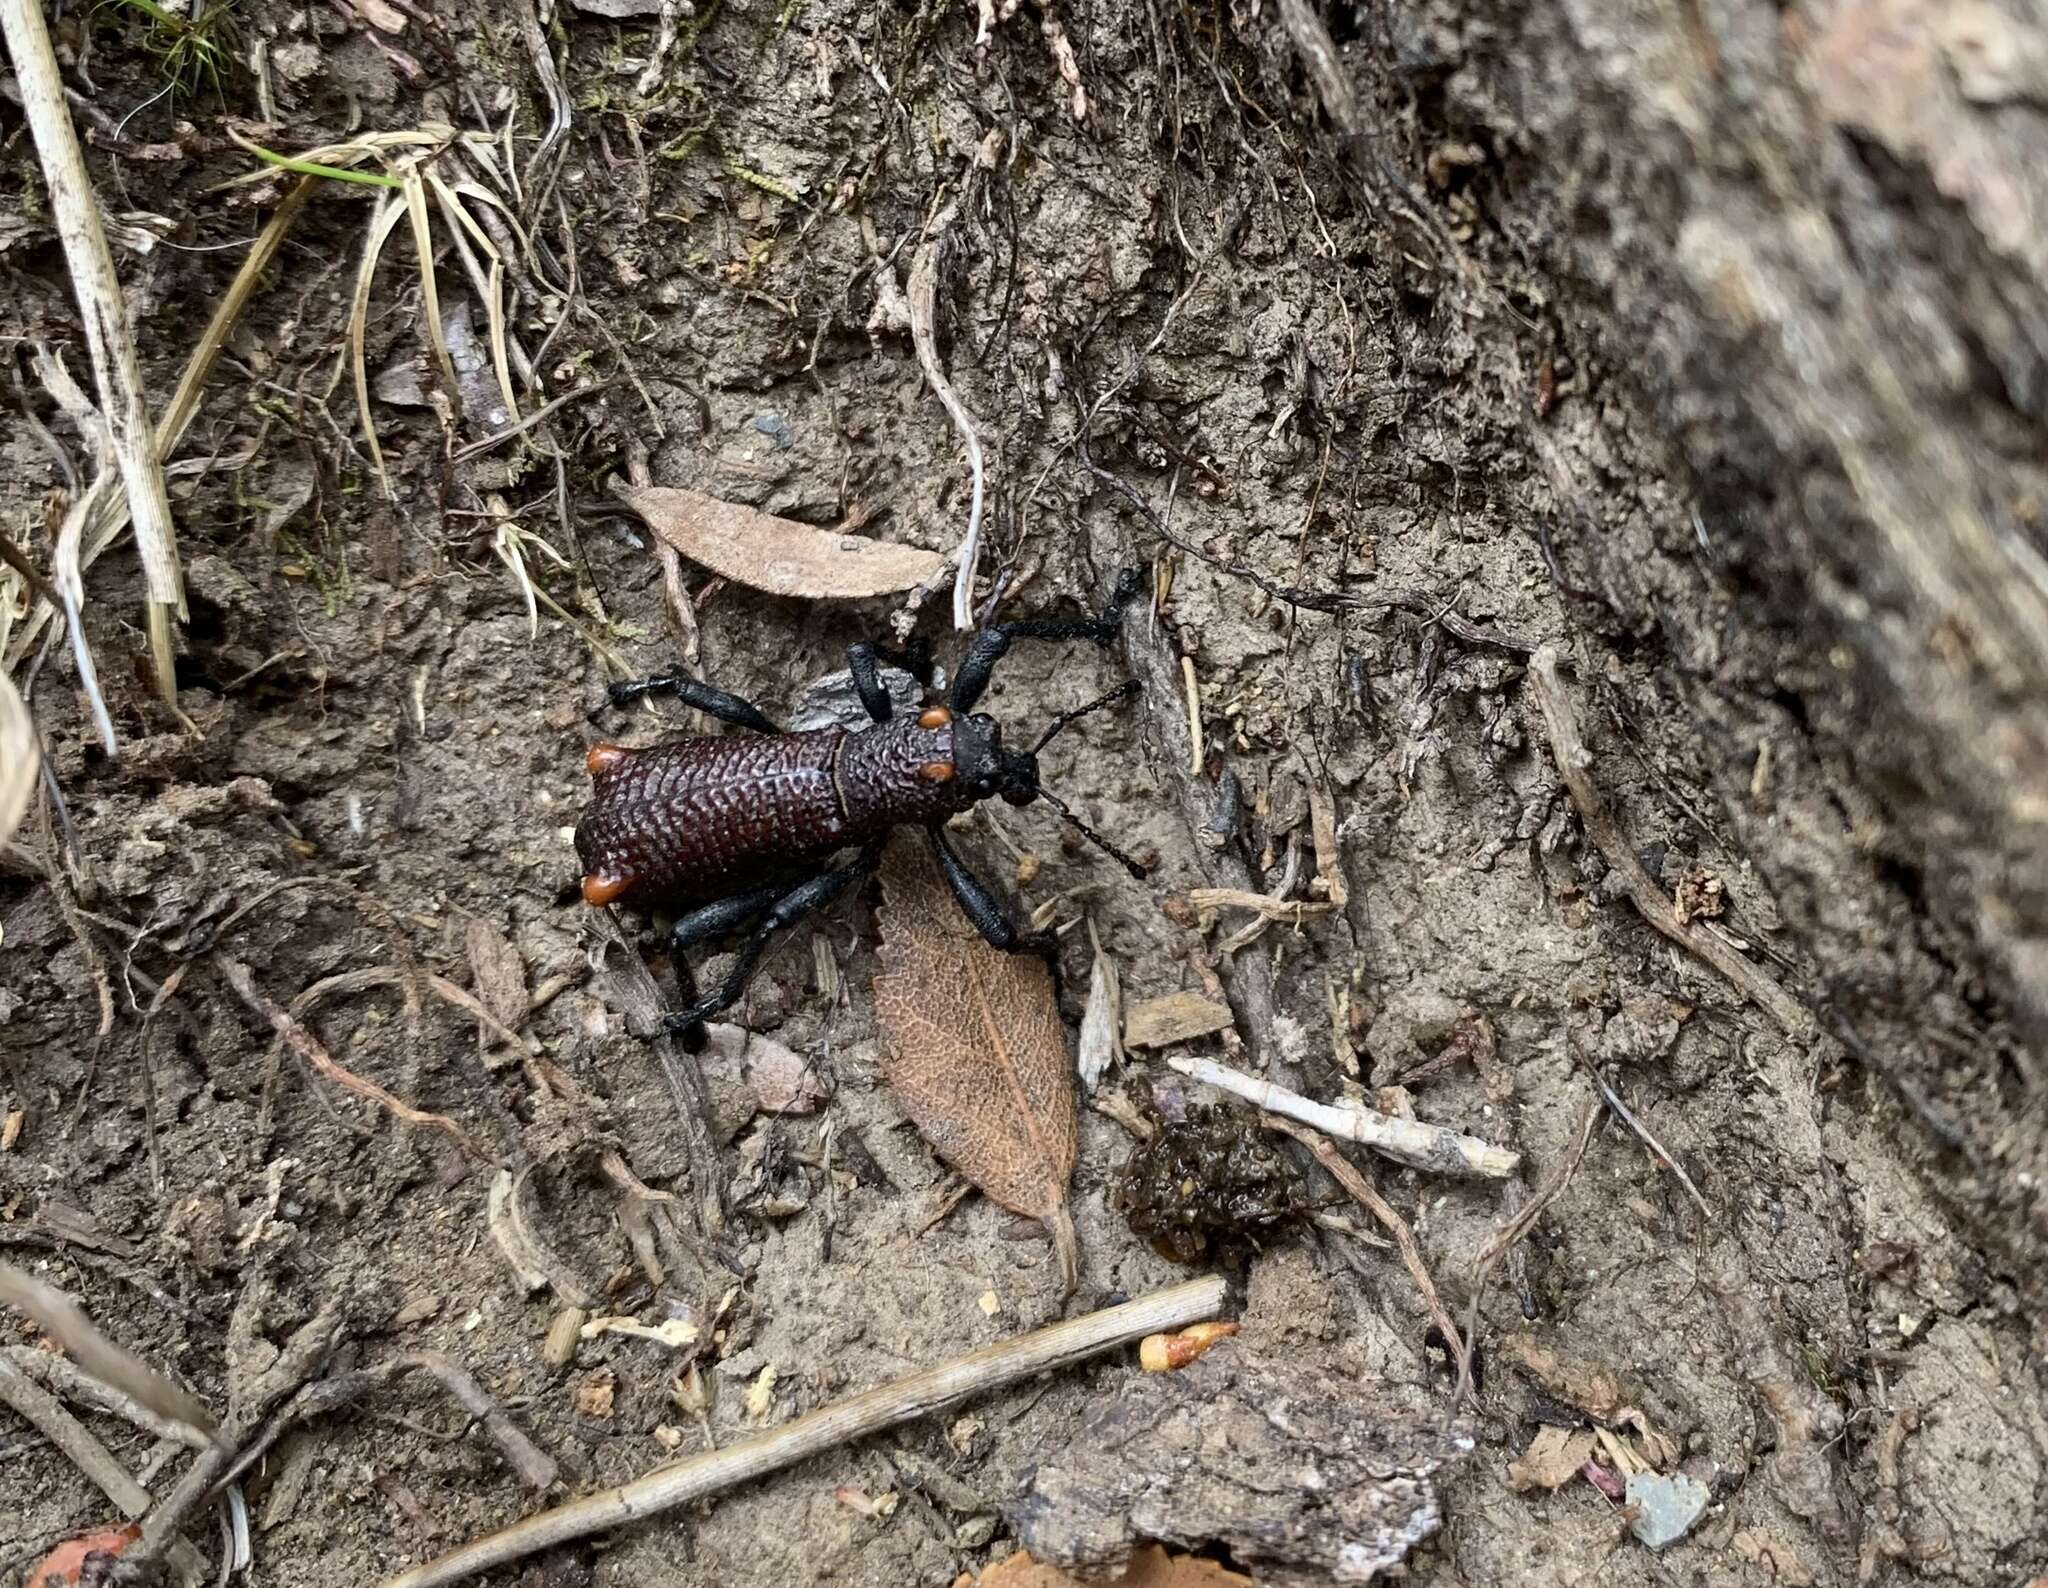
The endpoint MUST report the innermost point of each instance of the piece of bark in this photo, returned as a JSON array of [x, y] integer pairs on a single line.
[[1195, 1459], [1177, 1017]]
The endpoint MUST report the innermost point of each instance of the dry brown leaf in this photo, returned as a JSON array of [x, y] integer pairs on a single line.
[[1552, 1460], [975, 1049], [780, 556], [1593, 1389], [18, 760], [1150, 1567], [1178, 1017]]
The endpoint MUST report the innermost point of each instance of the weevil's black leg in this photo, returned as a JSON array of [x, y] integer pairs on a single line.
[[790, 908], [915, 659], [691, 692], [726, 915], [992, 644], [712, 920], [990, 919]]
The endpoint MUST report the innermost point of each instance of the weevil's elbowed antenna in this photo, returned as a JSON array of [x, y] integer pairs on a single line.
[[1091, 834], [1059, 724]]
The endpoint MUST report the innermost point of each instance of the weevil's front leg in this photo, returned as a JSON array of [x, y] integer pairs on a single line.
[[980, 905], [992, 644], [690, 691], [787, 910], [915, 659]]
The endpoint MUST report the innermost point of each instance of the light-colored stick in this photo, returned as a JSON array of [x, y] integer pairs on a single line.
[[1433, 1147], [924, 336], [108, 514], [827, 1428], [115, 371]]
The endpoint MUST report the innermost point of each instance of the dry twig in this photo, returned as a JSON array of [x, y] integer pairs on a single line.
[[1510, 1234], [856, 1417], [1574, 765], [923, 296], [114, 1366], [1435, 1148], [308, 1047], [1352, 1179]]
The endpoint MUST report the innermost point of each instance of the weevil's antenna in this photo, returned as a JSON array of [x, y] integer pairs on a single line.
[[1123, 691], [1091, 834]]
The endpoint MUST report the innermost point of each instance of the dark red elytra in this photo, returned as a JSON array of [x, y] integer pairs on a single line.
[[695, 819]]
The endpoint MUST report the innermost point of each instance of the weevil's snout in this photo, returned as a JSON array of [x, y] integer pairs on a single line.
[[1017, 776]]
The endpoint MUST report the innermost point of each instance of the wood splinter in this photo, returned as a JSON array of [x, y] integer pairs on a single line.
[[1574, 763], [919, 1395]]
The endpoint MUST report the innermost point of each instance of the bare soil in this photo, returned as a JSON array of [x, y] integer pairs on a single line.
[[1324, 365]]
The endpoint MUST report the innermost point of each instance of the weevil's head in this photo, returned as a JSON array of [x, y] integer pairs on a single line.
[[981, 762]]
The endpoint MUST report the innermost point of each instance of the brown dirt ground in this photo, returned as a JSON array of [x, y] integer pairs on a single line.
[[380, 729]]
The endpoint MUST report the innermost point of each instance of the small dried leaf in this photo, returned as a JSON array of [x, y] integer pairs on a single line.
[[975, 1050], [764, 552], [1101, 1021], [1552, 1460], [1178, 1017], [1593, 1389]]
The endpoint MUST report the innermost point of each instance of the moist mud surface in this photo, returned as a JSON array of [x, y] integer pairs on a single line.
[[1322, 400]]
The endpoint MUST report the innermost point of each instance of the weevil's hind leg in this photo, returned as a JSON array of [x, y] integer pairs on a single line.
[[915, 659], [693, 1038], [992, 644], [726, 915], [690, 691], [712, 920], [790, 908], [987, 914]]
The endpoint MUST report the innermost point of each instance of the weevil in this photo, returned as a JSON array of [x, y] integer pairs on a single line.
[[745, 832]]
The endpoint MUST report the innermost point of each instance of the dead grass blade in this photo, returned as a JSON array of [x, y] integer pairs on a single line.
[[116, 371], [974, 1048], [19, 758], [780, 556], [414, 189], [381, 224], [64, 1321]]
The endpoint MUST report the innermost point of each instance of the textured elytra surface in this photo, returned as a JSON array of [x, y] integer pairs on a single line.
[[692, 819], [973, 1044]]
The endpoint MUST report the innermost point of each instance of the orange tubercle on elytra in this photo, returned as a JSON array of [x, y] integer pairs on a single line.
[[602, 890], [936, 771], [603, 757], [934, 717]]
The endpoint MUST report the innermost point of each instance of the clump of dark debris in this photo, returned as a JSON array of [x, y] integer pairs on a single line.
[[1211, 1187]]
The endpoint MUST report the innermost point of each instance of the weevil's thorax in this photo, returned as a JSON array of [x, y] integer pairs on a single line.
[[911, 771]]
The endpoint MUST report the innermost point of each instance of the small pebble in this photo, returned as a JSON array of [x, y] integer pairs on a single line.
[[1667, 1507]]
